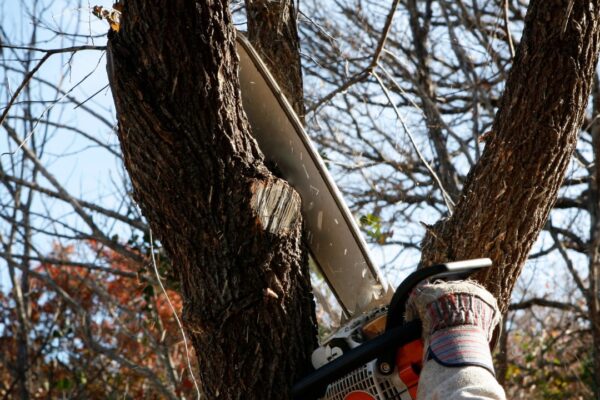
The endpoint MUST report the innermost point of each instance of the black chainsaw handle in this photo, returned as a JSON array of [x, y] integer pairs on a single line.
[[395, 316], [451, 271], [315, 385]]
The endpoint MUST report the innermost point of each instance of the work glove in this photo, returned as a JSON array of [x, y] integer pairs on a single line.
[[458, 319]]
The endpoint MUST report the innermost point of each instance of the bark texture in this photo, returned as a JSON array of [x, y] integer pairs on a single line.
[[508, 195], [272, 31], [593, 293], [231, 228]]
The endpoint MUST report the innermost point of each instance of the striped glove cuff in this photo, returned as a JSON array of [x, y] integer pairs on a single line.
[[458, 322], [460, 346]]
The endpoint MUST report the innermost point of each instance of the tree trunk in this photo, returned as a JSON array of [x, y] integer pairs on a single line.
[[231, 228], [272, 31], [419, 25], [501, 359], [509, 193], [593, 294]]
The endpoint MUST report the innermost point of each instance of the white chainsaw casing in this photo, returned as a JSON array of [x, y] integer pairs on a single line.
[[368, 380], [364, 381]]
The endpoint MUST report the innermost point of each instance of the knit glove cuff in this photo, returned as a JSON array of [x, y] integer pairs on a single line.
[[458, 322]]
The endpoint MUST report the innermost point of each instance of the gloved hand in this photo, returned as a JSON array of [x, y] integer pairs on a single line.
[[458, 319], [458, 322]]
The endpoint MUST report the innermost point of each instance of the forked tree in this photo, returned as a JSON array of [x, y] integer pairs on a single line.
[[195, 170]]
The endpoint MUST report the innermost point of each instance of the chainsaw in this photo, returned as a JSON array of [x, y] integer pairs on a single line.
[[374, 355], [377, 356]]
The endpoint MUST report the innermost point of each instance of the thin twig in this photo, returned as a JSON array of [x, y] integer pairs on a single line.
[[86, 204], [511, 45], [360, 76], [41, 62], [185, 342], [91, 97], [568, 261], [354, 80], [445, 195], [74, 264], [55, 51]]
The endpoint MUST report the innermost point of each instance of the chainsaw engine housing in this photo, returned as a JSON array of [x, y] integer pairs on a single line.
[[367, 382]]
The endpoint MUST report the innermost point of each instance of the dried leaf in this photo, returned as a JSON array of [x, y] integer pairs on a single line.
[[113, 16], [97, 11]]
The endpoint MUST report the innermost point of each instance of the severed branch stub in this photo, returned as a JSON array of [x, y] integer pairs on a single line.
[[276, 204]]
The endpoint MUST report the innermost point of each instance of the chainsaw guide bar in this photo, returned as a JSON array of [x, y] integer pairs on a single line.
[[333, 237]]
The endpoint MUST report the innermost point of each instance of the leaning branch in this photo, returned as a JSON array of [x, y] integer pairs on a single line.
[[86, 204], [545, 303], [48, 53]]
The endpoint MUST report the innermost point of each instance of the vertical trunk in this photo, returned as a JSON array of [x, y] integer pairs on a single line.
[[272, 31], [420, 31], [21, 374], [232, 229], [508, 195], [501, 363], [593, 296]]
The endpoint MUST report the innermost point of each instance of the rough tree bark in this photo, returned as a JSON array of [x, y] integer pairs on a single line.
[[508, 195], [593, 293], [273, 32], [231, 228]]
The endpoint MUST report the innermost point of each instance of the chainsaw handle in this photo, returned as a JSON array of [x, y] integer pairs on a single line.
[[315, 385], [452, 271]]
